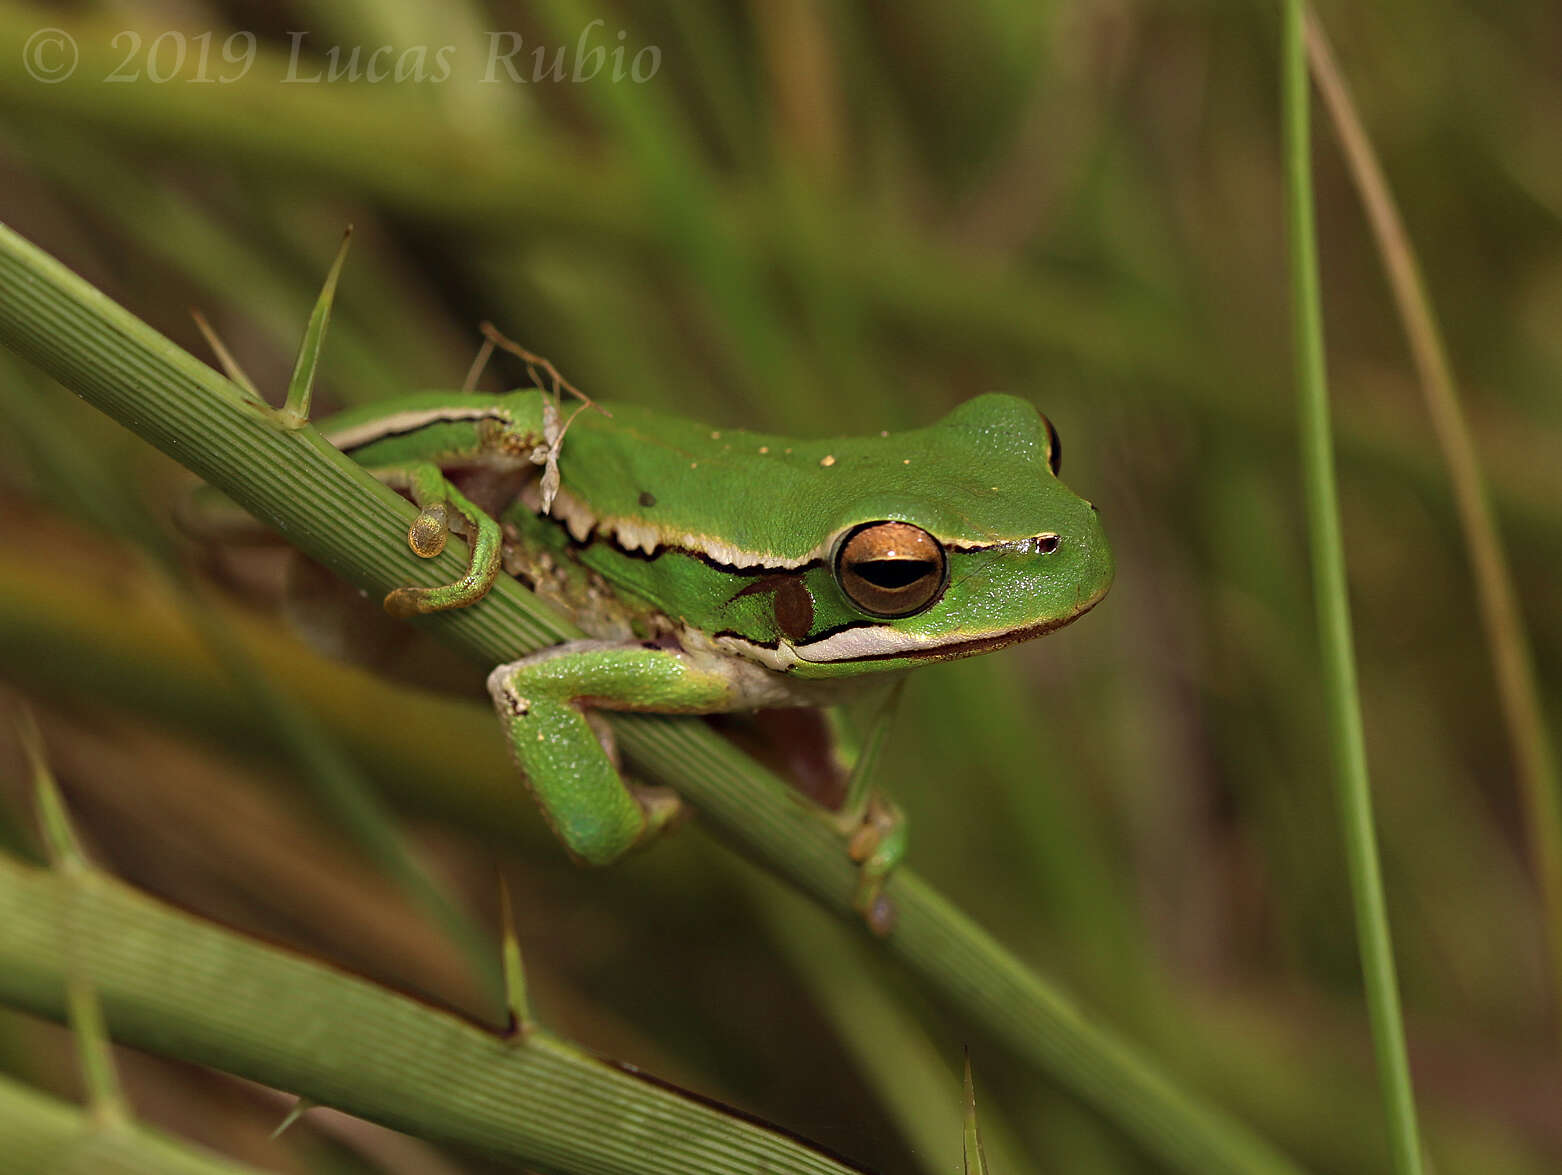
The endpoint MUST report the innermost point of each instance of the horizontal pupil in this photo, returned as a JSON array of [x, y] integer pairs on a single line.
[[891, 574]]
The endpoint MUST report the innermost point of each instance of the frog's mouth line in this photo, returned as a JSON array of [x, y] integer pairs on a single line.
[[872, 639]]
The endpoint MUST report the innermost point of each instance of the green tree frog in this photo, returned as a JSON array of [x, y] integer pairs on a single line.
[[723, 570]]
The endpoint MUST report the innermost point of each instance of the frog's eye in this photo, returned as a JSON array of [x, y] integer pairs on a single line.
[[891, 569], [1054, 448]]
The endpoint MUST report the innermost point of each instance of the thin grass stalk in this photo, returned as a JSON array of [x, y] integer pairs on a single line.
[[1348, 741], [1502, 619]]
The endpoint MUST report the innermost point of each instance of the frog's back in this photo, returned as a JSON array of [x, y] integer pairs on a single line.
[[648, 481]]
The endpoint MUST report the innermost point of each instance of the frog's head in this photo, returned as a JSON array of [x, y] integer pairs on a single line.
[[979, 545]]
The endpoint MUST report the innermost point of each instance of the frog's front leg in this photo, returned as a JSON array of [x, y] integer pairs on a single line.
[[442, 508], [545, 702]]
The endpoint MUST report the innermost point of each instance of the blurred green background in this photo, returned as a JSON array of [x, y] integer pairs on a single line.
[[830, 218]]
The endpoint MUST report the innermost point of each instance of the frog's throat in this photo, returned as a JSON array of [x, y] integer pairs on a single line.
[[636, 536]]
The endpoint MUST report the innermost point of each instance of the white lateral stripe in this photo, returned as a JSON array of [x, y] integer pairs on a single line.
[[877, 640], [781, 658], [403, 422], [853, 643]]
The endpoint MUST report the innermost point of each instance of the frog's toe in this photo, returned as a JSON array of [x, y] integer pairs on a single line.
[[877, 845], [429, 531]]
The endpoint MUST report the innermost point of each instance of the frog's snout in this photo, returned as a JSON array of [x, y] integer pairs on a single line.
[[1100, 566], [1095, 566]]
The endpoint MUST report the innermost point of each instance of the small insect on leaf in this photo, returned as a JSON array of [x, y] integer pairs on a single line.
[[553, 427], [547, 454]]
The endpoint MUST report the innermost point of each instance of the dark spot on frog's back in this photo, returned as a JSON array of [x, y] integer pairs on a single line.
[[647, 498]]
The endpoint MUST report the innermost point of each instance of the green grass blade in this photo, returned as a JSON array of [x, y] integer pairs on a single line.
[[1339, 659], [301, 387], [99, 1074], [975, 1157]]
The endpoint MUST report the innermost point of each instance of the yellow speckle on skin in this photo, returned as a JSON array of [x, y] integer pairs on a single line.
[[694, 464], [715, 436], [905, 460], [787, 451], [764, 448], [883, 432], [827, 460]]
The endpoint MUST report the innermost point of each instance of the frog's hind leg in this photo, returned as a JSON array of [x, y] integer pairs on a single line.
[[567, 752], [442, 508]]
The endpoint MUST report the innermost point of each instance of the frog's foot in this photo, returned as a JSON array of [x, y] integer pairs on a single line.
[[442, 508], [877, 843], [661, 806], [547, 703], [874, 828]]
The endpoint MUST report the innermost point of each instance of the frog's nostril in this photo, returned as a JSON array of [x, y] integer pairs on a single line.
[[1048, 543]]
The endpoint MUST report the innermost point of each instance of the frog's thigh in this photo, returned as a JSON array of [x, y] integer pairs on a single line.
[[569, 762]]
